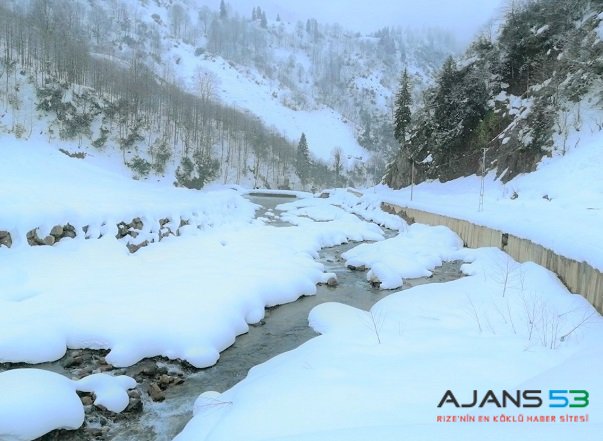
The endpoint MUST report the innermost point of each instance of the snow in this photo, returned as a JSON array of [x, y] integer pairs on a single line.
[[380, 374], [247, 89], [559, 206], [34, 402], [192, 294], [599, 28], [42, 188], [376, 374], [411, 254], [367, 207], [110, 391], [542, 29]]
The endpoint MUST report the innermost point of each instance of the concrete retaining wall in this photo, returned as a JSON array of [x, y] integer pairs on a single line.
[[579, 277]]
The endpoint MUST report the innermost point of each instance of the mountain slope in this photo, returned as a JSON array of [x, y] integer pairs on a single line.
[[519, 96], [184, 85]]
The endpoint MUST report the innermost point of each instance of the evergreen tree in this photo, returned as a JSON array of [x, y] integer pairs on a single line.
[[402, 109], [223, 11], [444, 100], [540, 121], [302, 162], [264, 21], [197, 172]]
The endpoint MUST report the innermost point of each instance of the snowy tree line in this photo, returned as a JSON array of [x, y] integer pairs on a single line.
[[510, 93], [324, 64], [102, 100], [312, 64]]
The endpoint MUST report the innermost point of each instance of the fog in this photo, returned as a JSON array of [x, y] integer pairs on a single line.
[[464, 18]]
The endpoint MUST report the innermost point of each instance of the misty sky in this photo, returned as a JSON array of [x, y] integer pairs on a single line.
[[463, 17]]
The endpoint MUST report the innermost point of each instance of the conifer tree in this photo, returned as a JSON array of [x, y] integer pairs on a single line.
[[223, 11], [302, 162], [264, 21], [402, 112]]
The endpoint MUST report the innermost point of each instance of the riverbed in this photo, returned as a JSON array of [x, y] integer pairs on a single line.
[[160, 417]]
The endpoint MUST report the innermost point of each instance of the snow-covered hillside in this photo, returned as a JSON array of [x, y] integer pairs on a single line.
[[560, 205], [246, 88], [231, 92], [298, 76]]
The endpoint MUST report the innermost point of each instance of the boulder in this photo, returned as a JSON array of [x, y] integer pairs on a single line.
[[357, 268], [6, 239], [49, 240], [33, 239], [123, 230], [69, 231], [135, 405], [57, 231], [132, 247], [136, 224], [155, 392]]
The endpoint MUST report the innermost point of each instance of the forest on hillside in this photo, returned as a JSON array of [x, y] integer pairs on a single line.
[[104, 75], [96, 100], [514, 95]]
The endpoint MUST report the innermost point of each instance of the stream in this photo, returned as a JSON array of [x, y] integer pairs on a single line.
[[283, 328]]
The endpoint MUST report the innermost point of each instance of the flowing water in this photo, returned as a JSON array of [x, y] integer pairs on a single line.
[[283, 328]]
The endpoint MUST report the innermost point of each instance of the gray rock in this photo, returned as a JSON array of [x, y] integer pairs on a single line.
[[132, 247], [33, 238], [105, 368], [72, 361], [6, 239], [357, 268], [56, 231], [164, 381], [146, 368], [49, 240], [165, 232], [69, 231], [137, 224], [122, 230], [155, 392], [94, 431], [135, 405]]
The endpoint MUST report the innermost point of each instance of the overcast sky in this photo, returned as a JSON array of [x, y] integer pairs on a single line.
[[463, 17]]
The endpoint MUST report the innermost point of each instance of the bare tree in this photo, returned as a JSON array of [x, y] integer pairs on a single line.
[[337, 155]]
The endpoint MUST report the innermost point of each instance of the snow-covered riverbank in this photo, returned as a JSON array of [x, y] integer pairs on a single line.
[[382, 374], [378, 374]]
